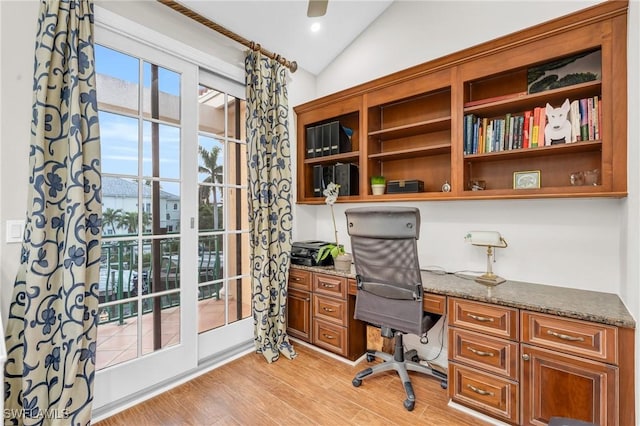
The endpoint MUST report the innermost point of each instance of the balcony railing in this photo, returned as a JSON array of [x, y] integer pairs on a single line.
[[122, 280]]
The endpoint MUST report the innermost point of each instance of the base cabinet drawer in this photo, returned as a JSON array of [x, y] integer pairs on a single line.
[[495, 355], [330, 336], [486, 393]]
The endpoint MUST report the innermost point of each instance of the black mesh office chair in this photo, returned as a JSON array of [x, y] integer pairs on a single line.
[[383, 242]]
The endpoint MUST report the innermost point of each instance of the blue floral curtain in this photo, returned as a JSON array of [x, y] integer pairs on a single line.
[[51, 331], [270, 201]]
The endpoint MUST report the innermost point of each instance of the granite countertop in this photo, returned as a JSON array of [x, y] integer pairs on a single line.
[[604, 308]]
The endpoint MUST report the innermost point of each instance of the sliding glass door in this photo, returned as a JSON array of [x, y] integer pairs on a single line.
[[174, 286]]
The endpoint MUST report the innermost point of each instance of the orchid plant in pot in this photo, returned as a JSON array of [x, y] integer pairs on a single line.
[[341, 259]]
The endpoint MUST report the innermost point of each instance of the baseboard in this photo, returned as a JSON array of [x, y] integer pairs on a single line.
[[475, 414], [327, 353]]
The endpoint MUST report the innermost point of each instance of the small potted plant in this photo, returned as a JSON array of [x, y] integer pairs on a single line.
[[378, 184]]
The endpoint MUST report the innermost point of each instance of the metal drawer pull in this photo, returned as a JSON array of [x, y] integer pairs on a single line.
[[479, 318], [297, 278], [565, 337], [324, 308], [328, 285], [328, 336], [480, 391], [480, 353]]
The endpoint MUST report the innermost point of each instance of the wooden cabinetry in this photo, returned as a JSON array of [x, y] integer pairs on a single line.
[[569, 369], [525, 367], [299, 304], [483, 358], [410, 125], [321, 313]]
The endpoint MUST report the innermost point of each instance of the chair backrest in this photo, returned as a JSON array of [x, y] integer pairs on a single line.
[[385, 255]]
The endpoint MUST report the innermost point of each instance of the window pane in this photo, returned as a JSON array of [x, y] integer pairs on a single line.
[[163, 254], [210, 160], [210, 211], [237, 259], [239, 301], [160, 322], [211, 310], [211, 110], [237, 163], [161, 93], [168, 140], [117, 335], [118, 270], [116, 81], [236, 121], [168, 213], [120, 206], [119, 144], [210, 258], [238, 207]]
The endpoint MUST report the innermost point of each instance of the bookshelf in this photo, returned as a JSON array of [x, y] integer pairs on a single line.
[[412, 125]]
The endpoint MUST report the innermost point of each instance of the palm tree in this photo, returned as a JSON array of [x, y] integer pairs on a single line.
[[111, 217], [214, 175], [129, 221]]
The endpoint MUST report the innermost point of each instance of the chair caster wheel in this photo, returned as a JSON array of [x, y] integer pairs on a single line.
[[370, 358], [409, 405], [443, 384], [356, 382]]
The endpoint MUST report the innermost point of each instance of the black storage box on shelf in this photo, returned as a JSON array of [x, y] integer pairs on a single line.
[[327, 139], [346, 175], [306, 252], [404, 186]]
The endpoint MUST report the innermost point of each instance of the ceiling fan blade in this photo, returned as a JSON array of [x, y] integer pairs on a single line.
[[317, 8]]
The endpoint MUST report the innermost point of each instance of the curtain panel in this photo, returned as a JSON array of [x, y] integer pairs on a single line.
[[270, 202], [52, 327]]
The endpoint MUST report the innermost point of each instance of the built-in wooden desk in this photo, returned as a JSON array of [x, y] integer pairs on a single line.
[[524, 352]]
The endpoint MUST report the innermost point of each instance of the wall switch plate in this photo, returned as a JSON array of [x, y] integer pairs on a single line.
[[15, 229]]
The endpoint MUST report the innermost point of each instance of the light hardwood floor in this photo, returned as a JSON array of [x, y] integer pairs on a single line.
[[312, 389]]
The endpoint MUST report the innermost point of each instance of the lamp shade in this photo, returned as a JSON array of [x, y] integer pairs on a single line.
[[485, 238]]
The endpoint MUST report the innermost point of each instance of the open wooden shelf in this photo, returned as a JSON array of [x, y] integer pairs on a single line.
[[410, 125]]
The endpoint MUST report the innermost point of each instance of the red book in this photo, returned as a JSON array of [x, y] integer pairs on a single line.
[[525, 129]]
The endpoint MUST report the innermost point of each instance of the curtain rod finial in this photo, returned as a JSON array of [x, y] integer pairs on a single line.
[[293, 66]]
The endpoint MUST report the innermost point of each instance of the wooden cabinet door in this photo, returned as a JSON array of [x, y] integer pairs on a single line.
[[554, 384], [299, 314]]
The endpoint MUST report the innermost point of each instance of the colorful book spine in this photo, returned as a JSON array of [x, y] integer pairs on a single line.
[[574, 119], [526, 128], [584, 120], [536, 126], [542, 124], [590, 118], [596, 118]]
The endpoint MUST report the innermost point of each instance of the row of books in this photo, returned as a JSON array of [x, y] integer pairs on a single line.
[[527, 129], [328, 139]]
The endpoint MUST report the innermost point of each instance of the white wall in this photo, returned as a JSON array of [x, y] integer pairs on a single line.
[[18, 28]]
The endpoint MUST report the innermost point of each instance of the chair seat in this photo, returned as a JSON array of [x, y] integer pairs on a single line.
[[564, 421]]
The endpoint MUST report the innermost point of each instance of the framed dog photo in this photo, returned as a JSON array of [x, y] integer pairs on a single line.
[[529, 179]]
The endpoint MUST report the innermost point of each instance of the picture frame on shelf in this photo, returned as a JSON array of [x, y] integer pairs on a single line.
[[529, 179]]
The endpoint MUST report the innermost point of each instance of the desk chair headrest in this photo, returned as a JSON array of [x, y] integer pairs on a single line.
[[384, 222]]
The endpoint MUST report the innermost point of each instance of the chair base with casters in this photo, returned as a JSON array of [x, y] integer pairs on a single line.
[[402, 366]]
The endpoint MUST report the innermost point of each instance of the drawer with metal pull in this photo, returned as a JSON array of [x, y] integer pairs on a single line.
[[587, 339], [330, 309], [499, 321], [492, 395], [330, 285], [330, 336], [299, 279], [494, 355]]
